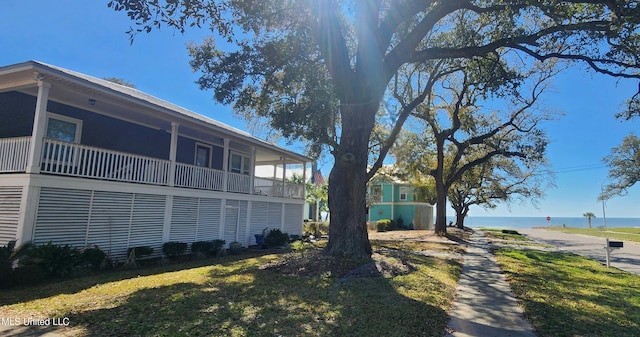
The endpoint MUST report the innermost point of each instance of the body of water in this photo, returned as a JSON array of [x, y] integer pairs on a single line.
[[529, 222]]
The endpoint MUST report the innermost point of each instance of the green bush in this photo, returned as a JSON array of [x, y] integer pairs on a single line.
[[510, 231], [140, 251], [56, 260], [93, 257], [276, 238], [218, 247], [202, 247], [173, 248], [383, 225], [9, 254], [28, 275]]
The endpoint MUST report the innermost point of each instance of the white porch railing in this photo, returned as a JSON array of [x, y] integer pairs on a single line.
[[274, 188], [72, 159], [85, 161], [14, 154], [199, 177], [239, 183]]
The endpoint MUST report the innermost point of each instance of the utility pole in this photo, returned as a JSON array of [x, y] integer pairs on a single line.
[[604, 217]]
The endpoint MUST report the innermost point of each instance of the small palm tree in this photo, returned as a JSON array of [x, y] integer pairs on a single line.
[[589, 216]]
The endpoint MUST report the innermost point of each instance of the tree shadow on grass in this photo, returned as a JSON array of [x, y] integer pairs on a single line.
[[258, 302], [77, 284]]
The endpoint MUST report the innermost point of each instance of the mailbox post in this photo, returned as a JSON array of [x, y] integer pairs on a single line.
[[611, 246]]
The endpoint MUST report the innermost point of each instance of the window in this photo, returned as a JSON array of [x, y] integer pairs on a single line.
[[63, 128], [203, 155], [404, 192], [239, 164], [376, 193]]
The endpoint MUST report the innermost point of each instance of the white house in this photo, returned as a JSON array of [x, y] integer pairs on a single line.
[[85, 161]]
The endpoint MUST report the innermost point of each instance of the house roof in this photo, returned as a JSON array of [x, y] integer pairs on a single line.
[[137, 96]]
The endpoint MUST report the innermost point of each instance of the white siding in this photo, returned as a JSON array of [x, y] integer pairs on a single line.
[[274, 219], [195, 219], [235, 221], [147, 218], [184, 219], [293, 219], [109, 222], [113, 221], [208, 219], [62, 216], [10, 198], [258, 220]]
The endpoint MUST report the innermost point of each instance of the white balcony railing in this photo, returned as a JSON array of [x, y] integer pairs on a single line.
[[14, 154], [274, 188], [72, 159], [239, 183], [199, 177], [85, 161]]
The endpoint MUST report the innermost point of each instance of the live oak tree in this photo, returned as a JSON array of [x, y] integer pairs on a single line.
[[319, 69], [624, 167], [464, 135], [499, 180]]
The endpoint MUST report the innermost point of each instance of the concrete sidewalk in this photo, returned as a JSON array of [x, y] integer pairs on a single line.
[[484, 305]]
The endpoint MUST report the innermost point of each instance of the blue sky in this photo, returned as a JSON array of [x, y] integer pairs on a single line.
[[88, 37]]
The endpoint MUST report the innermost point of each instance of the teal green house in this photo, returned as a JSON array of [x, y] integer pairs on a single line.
[[389, 198]]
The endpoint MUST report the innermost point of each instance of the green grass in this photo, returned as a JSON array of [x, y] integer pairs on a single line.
[[568, 295], [498, 234], [627, 234], [233, 296]]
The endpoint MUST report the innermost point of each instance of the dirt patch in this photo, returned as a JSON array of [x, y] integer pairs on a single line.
[[390, 258]]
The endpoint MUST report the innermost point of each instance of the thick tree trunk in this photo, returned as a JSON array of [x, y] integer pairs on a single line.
[[348, 235], [441, 189], [460, 216]]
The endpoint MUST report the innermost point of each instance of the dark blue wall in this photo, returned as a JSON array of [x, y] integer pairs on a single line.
[[16, 119], [16, 114]]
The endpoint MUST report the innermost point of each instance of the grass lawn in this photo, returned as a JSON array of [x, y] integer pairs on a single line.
[[499, 234], [626, 234], [568, 295], [239, 296]]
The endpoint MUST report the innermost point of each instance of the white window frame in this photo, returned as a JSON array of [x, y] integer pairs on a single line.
[[243, 157], [195, 154], [77, 122], [404, 193], [376, 198]]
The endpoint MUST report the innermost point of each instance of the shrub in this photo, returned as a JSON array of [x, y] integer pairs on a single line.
[[56, 260], [218, 247], [276, 238], [235, 247], [173, 248], [93, 257], [28, 275], [510, 231], [9, 254], [202, 247], [140, 251], [383, 225], [400, 223]]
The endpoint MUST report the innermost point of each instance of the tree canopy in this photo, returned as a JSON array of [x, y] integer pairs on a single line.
[[322, 70], [624, 167]]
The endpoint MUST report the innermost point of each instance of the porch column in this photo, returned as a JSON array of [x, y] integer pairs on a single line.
[[225, 166], [173, 150], [252, 170], [284, 175], [304, 181], [39, 125]]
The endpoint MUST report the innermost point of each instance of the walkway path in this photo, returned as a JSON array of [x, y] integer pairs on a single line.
[[626, 258], [484, 305]]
